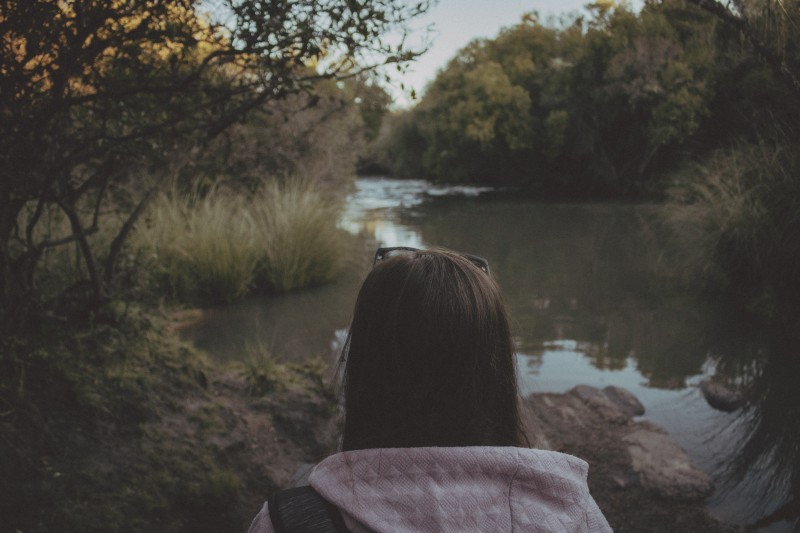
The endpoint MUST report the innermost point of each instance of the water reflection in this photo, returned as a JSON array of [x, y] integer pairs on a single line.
[[767, 428], [302, 324], [578, 272], [291, 327]]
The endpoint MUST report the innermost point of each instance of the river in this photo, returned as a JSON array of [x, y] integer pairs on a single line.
[[591, 302]]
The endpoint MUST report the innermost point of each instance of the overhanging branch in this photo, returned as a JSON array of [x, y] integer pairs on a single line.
[[778, 65]]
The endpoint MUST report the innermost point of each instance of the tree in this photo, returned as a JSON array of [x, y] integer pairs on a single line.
[[473, 110], [101, 100], [597, 103], [318, 136], [772, 27]]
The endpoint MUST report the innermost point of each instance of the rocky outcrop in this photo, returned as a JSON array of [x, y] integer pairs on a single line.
[[662, 466], [612, 403], [720, 397], [637, 473]]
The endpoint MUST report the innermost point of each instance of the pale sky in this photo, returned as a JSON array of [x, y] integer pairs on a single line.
[[457, 22]]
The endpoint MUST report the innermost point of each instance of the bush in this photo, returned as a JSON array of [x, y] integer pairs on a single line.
[[739, 220], [300, 242], [202, 247], [121, 428], [220, 246]]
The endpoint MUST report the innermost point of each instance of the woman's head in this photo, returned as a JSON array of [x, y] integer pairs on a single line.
[[429, 359]]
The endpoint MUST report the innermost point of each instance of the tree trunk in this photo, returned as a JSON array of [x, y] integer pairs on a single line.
[[122, 236], [13, 278], [79, 233]]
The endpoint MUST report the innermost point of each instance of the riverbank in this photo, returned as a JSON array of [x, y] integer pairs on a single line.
[[126, 429], [135, 431]]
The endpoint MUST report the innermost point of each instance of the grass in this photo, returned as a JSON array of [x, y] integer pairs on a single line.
[[221, 246], [737, 219], [262, 370], [119, 427], [300, 241], [203, 247]]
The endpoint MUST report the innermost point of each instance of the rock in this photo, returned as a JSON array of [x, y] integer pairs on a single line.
[[600, 403], [641, 479], [663, 466], [627, 402], [719, 396], [636, 454]]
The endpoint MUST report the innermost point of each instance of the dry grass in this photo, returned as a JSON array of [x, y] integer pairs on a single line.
[[739, 216], [203, 247], [220, 246], [296, 226]]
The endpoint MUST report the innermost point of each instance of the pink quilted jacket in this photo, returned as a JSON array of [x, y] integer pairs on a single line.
[[455, 489]]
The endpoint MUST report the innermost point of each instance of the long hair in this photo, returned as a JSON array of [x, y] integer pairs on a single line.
[[429, 358]]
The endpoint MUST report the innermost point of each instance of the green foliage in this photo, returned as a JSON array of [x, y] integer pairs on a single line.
[[102, 103], [372, 101], [298, 236], [490, 113], [320, 135], [597, 104], [204, 247], [399, 145], [219, 246], [261, 370], [738, 219], [121, 428]]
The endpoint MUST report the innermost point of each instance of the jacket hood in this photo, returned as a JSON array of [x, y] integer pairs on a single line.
[[459, 489]]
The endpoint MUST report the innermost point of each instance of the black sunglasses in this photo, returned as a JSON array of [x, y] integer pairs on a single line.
[[388, 253]]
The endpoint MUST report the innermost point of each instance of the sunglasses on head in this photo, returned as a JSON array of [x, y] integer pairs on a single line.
[[388, 253]]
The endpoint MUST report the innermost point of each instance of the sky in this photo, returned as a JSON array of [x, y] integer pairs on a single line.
[[457, 22]]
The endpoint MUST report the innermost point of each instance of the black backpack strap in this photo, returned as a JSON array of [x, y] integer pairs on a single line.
[[303, 510]]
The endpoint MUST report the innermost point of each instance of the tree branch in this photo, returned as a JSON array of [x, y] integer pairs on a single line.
[[79, 235], [778, 66], [119, 240]]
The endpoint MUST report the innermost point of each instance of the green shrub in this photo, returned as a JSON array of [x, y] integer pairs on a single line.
[[217, 247], [297, 230], [738, 219], [261, 369], [203, 247]]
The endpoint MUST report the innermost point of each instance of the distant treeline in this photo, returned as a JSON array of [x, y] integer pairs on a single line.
[[605, 102]]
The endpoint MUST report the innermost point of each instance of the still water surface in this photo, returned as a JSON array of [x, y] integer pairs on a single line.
[[580, 282]]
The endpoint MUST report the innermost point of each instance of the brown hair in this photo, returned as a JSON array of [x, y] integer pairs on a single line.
[[429, 358]]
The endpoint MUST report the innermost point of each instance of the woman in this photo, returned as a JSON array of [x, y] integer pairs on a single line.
[[432, 436]]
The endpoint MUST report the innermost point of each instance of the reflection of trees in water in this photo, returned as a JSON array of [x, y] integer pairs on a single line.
[[580, 272], [596, 274], [588, 273], [769, 424]]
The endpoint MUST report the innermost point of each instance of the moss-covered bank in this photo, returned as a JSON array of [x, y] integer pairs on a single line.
[[119, 427]]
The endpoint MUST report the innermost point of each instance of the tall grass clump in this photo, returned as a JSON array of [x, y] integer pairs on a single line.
[[297, 232], [218, 247], [737, 220], [261, 369], [203, 247]]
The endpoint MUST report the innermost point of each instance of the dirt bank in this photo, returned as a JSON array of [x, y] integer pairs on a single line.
[[133, 431], [640, 478]]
